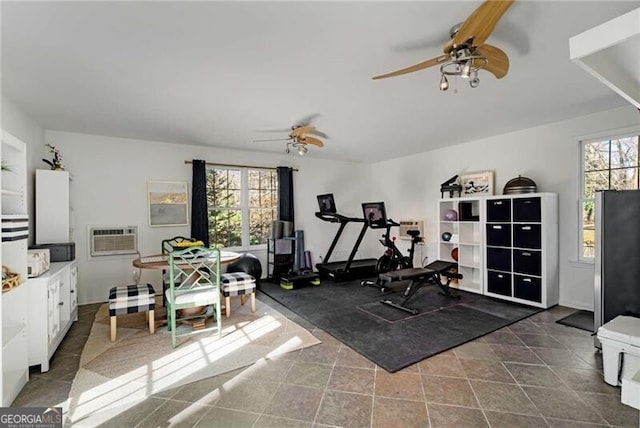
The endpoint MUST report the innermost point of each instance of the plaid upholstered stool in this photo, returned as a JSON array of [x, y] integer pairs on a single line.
[[237, 284], [131, 299]]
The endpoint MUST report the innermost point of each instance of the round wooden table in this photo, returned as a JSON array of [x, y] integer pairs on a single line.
[[161, 262]]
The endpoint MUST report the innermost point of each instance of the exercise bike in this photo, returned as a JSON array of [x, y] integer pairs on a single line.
[[392, 259]]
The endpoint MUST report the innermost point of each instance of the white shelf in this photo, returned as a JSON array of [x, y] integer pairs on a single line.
[[7, 192], [467, 238], [13, 303], [10, 333]]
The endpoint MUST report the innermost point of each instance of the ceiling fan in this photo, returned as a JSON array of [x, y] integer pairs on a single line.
[[466, 53], [299, 135]]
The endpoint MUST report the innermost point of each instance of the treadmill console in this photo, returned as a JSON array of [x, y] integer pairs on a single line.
[[375, 214]]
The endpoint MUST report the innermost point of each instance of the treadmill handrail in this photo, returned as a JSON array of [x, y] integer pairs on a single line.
[[338, 218]]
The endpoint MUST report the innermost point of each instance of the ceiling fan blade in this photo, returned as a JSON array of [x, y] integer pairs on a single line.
[[306, 121], [318, 133], [498, 61], [274, 130], [271, 139], [425, 64], [312, 141], [480, 24], [301, 131]]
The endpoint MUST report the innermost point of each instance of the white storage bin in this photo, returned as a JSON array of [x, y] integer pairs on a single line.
[[38, 262], [620, 339], [631, 391]]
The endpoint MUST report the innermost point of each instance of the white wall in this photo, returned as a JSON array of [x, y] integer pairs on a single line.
[[111, 175], [109, 188], [548, 154]]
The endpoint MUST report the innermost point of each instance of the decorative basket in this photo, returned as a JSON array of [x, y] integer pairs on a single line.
[[9, 279]]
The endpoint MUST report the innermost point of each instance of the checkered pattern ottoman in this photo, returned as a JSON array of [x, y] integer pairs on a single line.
[[238, 284], [131, 299]]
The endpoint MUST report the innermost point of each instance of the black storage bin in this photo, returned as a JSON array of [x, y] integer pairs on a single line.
[[499, 259], [527, 288], [499, 210], [499, 283], [527, 236], [499, 235], [527, 261], [527, 209]]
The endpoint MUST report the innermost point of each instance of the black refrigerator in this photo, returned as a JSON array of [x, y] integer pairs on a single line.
[[617, 255]]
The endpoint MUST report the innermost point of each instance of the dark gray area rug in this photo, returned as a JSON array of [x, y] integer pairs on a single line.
[[580, 319], [391, 338]]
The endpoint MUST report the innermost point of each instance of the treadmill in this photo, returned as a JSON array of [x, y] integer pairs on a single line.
[[351, 268]]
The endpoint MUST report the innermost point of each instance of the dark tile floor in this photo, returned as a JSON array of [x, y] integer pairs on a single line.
[[535, 373]]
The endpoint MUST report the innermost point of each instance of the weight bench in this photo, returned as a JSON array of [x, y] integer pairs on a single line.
[[419, 277]]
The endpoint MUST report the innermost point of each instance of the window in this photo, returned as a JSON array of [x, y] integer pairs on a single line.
[[607, 163], [242, 203]]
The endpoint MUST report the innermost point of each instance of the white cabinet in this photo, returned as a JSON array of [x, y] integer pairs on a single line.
[[53, 306], [460, 239], [13, 254], [521, 250], [53, 211]]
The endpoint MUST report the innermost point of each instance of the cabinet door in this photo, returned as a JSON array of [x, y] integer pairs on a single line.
[[73, 285], [53, 311], [64, 300]]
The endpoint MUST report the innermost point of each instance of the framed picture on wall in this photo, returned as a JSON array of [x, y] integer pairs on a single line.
[[168, 203], [477, 184]]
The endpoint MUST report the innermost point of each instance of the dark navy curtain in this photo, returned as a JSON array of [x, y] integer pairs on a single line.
[[199, 220], [285, 194]]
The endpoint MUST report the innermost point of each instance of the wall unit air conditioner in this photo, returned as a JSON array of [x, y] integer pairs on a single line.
[[109, 241], [411, 225]]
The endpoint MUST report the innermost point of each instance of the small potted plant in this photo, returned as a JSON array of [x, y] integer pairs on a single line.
[[56, 162]]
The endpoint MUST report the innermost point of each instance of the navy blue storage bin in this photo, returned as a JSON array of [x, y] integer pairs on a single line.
[[527, 261], [499, 259], [527, 288], [498, 210], [527, 209], [527, 236], [499, 283]]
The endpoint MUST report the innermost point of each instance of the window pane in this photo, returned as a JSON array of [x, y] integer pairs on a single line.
[[594, 181], [624, 179], [260, 225], [588, 228], [624, 152], [225, 227], [596, 156]]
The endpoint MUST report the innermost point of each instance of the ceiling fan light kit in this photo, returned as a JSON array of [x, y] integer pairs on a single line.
[[465, 64]]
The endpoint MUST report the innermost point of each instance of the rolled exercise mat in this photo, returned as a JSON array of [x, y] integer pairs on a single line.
[[307, 260], [298, 263]]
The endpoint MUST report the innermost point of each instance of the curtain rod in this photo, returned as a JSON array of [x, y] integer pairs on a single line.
[[237, 166]]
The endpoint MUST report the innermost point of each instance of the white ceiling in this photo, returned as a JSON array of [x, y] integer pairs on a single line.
[[215, 73]]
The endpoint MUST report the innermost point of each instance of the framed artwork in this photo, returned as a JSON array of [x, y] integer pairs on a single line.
[[168, 203], [477, 184]]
